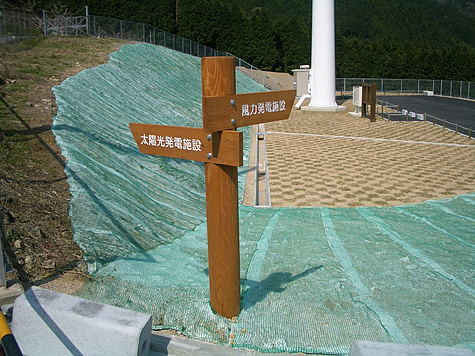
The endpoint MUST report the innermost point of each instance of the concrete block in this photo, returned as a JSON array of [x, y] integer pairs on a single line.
[[8, 295], [368, 348], [50, 323]]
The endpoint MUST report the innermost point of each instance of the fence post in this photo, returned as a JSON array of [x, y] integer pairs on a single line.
[[45, 24], [3, 281], [87, 20]]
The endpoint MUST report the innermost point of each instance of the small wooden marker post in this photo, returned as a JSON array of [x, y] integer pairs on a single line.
[[221, 148], [369, 97]]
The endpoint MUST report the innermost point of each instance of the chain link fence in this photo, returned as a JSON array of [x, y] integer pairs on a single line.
[[452, 88], [17, 25]]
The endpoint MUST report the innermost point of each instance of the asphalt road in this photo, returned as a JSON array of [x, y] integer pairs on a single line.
[[459, 111]]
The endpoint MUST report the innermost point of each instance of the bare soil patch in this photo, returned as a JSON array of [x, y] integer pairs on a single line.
[[34, 195]]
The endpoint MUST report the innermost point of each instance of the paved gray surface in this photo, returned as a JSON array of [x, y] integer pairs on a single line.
[[165, 344], [459, 111], [367, 348]]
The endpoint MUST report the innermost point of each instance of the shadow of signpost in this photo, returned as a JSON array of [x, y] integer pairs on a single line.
[[255, 292]]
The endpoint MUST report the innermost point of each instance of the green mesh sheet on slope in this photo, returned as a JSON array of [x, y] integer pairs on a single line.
[[313, 279], [123, 201]]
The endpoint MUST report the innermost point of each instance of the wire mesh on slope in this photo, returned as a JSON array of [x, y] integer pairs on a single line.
[[313, 279]]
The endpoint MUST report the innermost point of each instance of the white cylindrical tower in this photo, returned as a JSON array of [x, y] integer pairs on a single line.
[[322, 73]]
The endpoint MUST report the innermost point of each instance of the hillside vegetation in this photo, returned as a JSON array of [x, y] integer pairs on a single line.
[[374, 38]]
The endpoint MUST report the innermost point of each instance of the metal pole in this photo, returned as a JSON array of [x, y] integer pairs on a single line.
[[30, 25], [45, 25], [14, 23], [3, 281], [87, 20]]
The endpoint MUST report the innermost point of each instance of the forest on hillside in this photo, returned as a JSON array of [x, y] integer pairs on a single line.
[[374, 38]]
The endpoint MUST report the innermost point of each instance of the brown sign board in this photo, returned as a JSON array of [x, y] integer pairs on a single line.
[[238, 110], [189, 143]]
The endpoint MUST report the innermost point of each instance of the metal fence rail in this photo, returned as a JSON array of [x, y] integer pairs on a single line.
[[133, 31], [17, 25], [65, 25], [452, 88], [392, 112]]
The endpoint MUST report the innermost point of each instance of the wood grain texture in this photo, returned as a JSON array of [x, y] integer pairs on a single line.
[[189, 143], [248, 109], [218, 79]]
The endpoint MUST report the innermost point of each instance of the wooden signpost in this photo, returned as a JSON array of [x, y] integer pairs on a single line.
[[369, 98], [221, 148]]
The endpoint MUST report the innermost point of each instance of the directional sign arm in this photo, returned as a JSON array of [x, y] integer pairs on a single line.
[[238, 110], [189, 143]]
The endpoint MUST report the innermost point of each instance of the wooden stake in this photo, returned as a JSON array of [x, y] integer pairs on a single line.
[[218, 79]]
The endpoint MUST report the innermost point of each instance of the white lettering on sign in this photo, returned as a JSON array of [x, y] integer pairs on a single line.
[[262, 108], [172, 142]]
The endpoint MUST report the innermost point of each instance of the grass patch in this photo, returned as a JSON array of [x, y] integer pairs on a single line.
[[24, 67]]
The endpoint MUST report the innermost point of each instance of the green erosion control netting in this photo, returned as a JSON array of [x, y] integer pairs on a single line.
[[313, 279]]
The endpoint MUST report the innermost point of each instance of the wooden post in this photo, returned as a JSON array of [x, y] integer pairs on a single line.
[[220, 146], [218, 79], [369, 98]]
